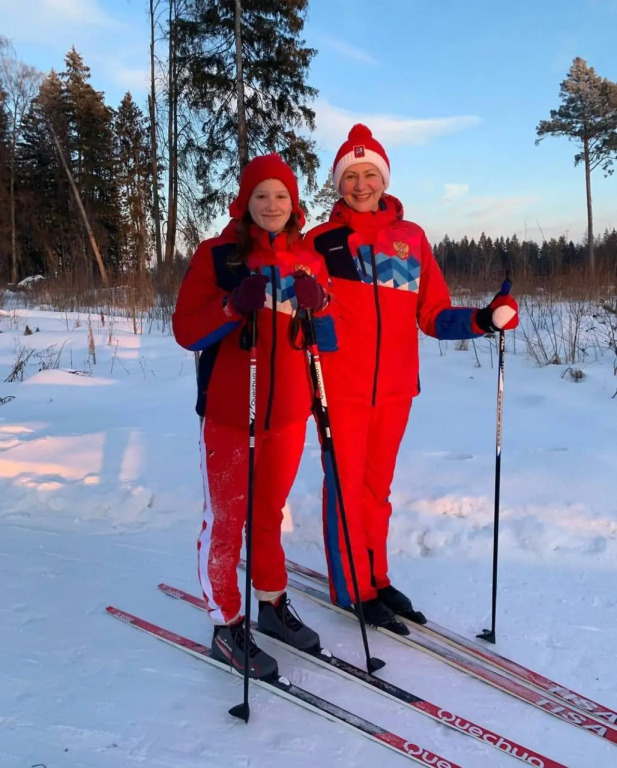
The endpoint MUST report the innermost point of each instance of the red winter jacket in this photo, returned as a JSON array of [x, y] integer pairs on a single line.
[[201, 323], [385, 283]]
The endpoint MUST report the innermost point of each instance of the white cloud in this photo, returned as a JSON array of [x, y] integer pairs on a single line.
[[133, 79], [488, 207], [115, 47], [39, 20], [333, 124], [349, 51], [454, 191], [78, 11], [464, 214], [530, 216]]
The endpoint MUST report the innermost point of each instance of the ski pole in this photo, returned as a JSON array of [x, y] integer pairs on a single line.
[[372, 663], [489, 634], [242, 710]]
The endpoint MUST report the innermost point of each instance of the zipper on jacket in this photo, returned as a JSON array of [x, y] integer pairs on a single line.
[[378, 313], [272, 352]]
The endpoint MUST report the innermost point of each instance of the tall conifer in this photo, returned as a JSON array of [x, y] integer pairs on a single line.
[[275, 63], [588, 116], [134, 180]]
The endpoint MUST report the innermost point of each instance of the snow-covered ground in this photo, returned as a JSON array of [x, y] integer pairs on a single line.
[[100, 499]]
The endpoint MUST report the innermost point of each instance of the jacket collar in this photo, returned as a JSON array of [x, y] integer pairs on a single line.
[[368, 223]]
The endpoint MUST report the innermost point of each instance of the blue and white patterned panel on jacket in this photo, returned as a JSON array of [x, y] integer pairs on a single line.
[[282, 289], [392, 271]]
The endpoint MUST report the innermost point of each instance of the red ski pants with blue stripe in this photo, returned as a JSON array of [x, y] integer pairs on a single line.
[[224, 453], [366, 442]]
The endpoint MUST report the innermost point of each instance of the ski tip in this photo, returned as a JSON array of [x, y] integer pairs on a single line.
[[488, 635], [241, 711], [374, 664]]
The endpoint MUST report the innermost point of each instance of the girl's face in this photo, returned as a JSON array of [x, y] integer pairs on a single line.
[[270, 205], [361, 187]]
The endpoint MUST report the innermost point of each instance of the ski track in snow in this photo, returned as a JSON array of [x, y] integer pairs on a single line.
[[100, 499]]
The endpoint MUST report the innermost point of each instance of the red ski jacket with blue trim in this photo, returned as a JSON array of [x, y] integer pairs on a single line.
[[202, 323], [385, 284]]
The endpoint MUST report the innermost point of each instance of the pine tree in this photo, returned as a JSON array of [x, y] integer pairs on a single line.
[[48, 228], [134, 179], [19, 82], [325, 198], [274, 67], [67, 162], [5, 220], [515, 253], [486, 252], [588, 116], [91, 146]]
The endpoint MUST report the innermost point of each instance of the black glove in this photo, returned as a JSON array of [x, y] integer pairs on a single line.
[[309, 293]]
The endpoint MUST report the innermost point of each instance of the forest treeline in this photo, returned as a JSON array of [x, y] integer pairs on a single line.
[[480, 263]]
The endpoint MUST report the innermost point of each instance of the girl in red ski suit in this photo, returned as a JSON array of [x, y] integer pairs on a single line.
[[385, 283], [215, 294]]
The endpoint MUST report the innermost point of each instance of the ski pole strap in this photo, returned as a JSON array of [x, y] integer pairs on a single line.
[[297, 331], [309, 328], [248, 334]]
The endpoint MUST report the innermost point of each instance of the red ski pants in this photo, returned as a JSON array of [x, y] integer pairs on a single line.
[[366, 442], [224, 452]]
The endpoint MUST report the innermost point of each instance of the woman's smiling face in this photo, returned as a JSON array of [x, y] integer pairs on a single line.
[[362, 185]]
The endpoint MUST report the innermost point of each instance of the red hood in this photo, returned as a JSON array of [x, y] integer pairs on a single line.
[[230, 231]]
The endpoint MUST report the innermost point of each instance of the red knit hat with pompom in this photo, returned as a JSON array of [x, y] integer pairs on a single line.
[[360, 147], [258, 170]]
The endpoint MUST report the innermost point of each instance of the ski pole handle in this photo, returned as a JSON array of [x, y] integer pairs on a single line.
[[506, 287]]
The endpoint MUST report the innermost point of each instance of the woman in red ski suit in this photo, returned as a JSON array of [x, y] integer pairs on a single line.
[[385, 283], [257, 265]]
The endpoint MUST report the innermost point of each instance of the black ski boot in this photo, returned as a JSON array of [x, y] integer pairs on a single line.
[[379, 615], [228, 647], [400, 604], [281, 621]]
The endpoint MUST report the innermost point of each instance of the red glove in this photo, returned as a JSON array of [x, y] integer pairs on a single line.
[[500, 315], [309, 293], [250, 295]]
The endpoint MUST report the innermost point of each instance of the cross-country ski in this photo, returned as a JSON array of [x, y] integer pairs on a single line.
[[506, 666], [394, 692], [283, 687]]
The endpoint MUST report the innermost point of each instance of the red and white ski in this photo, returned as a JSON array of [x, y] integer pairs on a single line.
[[506, 666], [344, 668], [283, 687], [458, 659]]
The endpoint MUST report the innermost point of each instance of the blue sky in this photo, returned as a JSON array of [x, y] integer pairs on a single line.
[[453, 89]]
